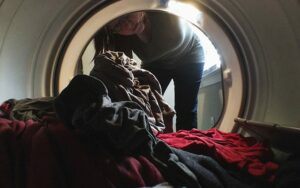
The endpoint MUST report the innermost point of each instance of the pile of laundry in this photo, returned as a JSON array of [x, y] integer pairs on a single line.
[[112, 128]]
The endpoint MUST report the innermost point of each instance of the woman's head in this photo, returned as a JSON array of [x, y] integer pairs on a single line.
[[129, 24]]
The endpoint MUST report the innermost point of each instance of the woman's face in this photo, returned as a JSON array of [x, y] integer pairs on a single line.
[[130, 24]]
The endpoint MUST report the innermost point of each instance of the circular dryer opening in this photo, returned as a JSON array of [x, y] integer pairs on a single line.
[[225, 81]]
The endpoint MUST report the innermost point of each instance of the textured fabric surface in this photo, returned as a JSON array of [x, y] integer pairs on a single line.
[[230, 149], [48, 154], [28, 108], [126, 82]]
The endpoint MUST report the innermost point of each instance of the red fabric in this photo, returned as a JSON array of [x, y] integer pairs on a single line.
[[49, 155], [227, 148], [6, 107], [12, 157]]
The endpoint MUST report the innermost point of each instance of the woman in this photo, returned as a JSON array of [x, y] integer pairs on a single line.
[[167, 47]]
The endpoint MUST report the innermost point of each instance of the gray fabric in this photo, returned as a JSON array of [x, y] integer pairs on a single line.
[[171, 38], [208, 171], [34, 109], [119, 127], [174, 171], [82, 90]]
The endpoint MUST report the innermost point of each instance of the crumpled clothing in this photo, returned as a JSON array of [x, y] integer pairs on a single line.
[[81, 92], [127, 82], [6, 107], [28, 108], [287, 175], [120, 127], [48, 154], [227, 148], [175, 172]]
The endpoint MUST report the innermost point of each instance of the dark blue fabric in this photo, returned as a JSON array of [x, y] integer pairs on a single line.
[[187, 79], [288, 174], [208, 171]]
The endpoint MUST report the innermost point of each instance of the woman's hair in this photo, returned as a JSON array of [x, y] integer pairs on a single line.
[[103, 40], [134, 17]]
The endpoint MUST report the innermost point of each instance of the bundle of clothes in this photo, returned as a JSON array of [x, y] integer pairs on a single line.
[[112, 128]]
